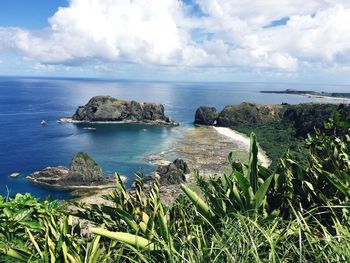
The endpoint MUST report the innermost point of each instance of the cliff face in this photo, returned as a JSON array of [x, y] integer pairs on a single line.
[[248, 113], [106, 108], [244, 113], [303, 117], [306, 117]]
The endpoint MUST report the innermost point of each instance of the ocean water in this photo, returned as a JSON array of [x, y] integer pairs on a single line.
[[27, 146]]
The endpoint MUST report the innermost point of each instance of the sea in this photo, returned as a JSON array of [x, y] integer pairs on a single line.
[[27, 146]]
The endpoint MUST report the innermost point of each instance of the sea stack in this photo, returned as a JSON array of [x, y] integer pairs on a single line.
[[83, 171], [206, 116]]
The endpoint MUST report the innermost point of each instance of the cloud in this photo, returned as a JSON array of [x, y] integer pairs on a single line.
[[204, 33]]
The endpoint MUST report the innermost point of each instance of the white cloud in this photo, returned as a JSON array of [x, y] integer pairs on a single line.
[[230, 34], [133, 31]]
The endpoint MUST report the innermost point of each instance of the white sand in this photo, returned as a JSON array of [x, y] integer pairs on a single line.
[[245, 141]]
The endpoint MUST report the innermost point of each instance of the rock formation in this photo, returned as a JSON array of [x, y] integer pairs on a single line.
[[206, 116], [50, 175], [84, 171], [109, 109], [173, 173], [244, 113], [248, 113], [304, 118]]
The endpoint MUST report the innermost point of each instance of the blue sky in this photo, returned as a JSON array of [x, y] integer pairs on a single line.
[[206, 40], [28, 14]]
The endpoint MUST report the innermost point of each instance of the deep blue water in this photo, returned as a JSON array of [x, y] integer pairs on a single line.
[[26, 146]]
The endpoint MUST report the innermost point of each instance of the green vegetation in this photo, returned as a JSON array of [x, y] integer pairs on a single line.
[[296, 213], [276, 138], [289, 131]]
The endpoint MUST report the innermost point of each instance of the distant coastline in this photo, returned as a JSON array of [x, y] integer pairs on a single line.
[[340, 97]]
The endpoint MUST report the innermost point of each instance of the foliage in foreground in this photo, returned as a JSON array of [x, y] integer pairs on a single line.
[[298, 213]]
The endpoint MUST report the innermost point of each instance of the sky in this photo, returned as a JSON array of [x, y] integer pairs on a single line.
[[185, 40]]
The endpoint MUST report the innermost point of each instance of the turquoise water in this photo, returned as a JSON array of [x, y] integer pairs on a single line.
[[26, 146]]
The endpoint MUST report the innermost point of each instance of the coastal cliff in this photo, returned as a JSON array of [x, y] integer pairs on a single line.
[[303, 117], [248, 113], [278, 127], [238, 114], [109, 109]]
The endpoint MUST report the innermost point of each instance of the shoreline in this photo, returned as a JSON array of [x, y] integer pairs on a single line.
[[245, 140], [336, 100], [205, 149], [156, 122], [72, 187]]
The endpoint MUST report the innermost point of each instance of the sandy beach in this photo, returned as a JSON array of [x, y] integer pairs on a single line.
[[245, 141]]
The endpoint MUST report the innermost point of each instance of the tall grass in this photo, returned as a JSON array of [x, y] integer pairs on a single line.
[[296, 213]]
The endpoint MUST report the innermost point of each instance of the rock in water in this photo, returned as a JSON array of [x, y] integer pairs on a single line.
[[109, 109], [206, 115], [50, 175], [173, 173], [14, 175], [84, 170]]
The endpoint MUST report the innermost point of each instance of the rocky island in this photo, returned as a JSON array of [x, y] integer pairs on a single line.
[[83, 172], [106, 109]]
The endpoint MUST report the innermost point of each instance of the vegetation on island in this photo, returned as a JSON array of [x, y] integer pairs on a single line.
[[298, 212]]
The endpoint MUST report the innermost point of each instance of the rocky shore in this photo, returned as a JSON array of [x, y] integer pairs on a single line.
[[205, 149], [106, 109], [169, 174]]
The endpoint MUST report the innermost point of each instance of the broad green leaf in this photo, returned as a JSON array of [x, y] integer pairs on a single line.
[[136, 241], [253, 163], [198, 202], [261, 193]]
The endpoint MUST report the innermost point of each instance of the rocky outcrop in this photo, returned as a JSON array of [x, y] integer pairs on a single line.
[[109, 109], [244, 113], [304, 118], [206, 116], [173, 173], [84, 169], [83, 172], [50, 175], [248, 113]]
